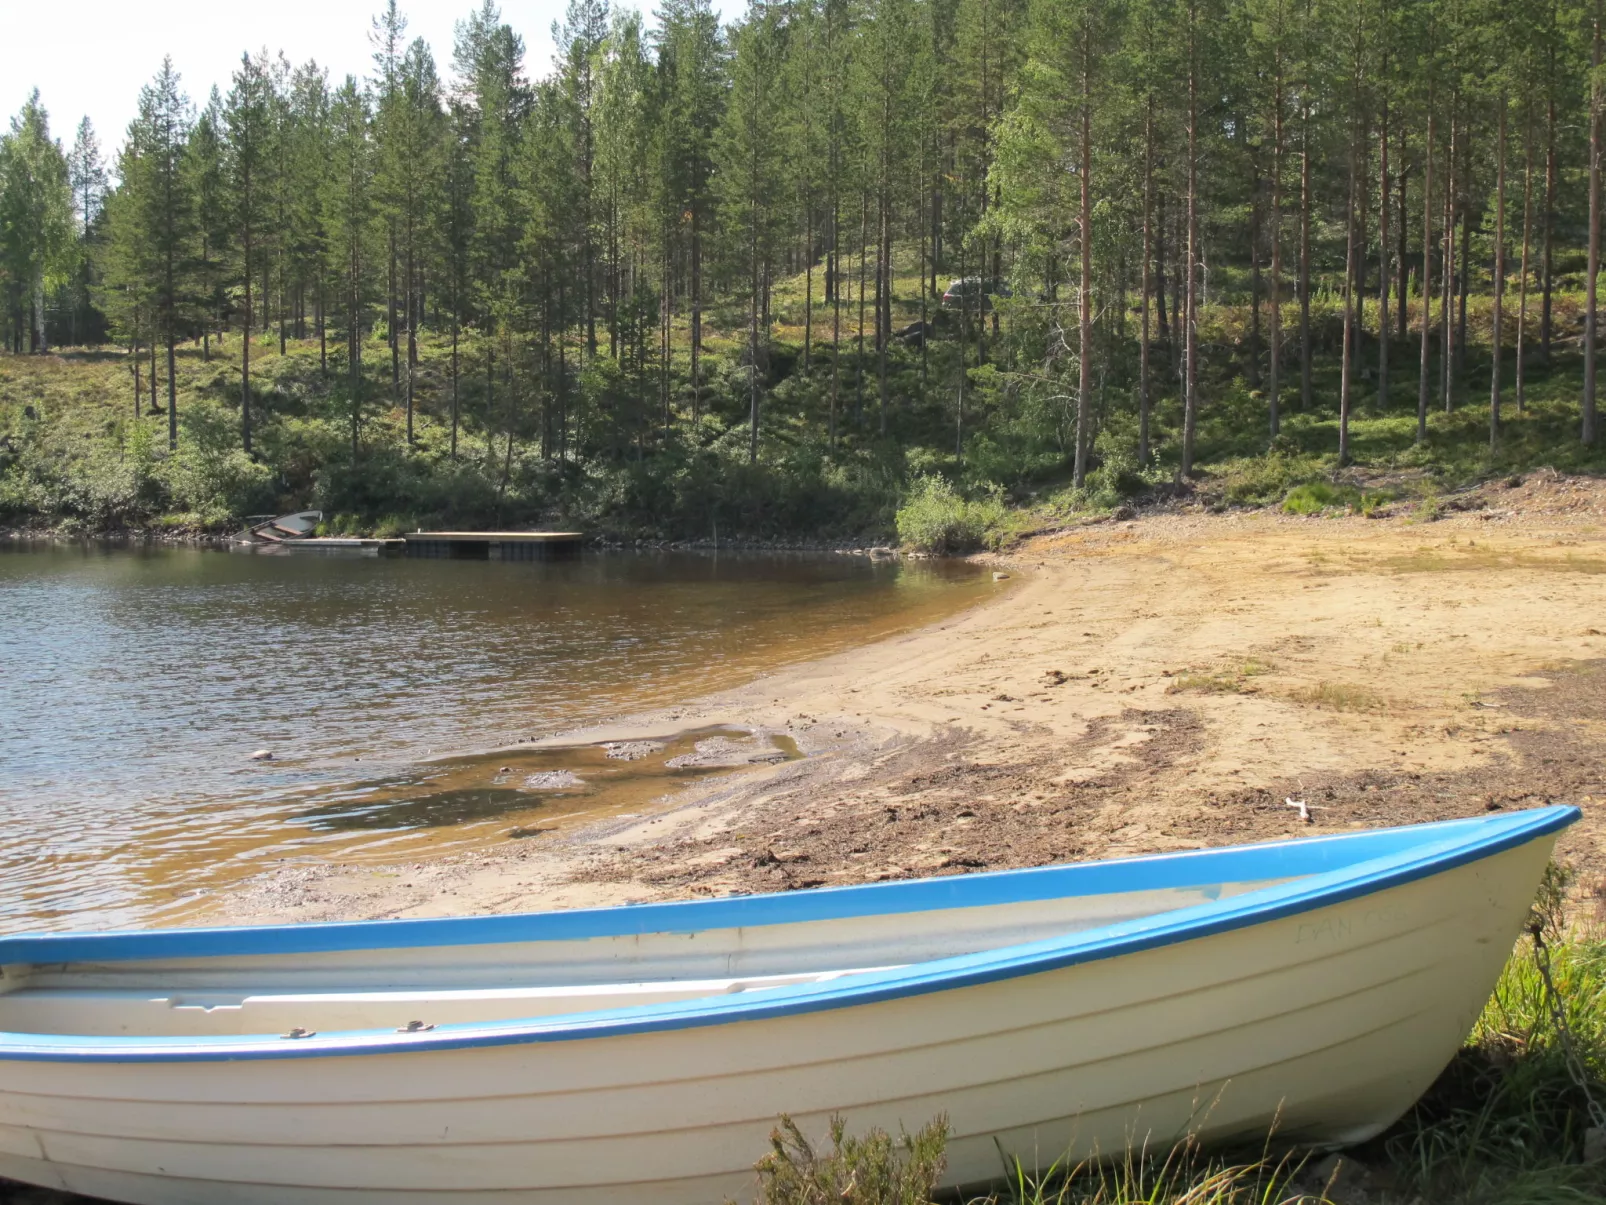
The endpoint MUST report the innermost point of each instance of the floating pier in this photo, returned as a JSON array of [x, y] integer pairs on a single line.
[[495, 545], [345, 546]]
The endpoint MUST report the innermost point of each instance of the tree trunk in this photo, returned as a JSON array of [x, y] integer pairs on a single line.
[[925, 294], [1495, 328], [1144, 287], [1586, 429], [1346, 356], [1527, 241], [1545, 327], [696, 313], [1426, 289], [245, 348], [808, 281], [1159, 262], [835, 283], [1190, 415], [1084, 310], [1275, 367], [1383, 255], [1464, 281], [1254, 278], [1304, 254], [752, 343], [858, 359], [1446, 323], [410, 308], [455, 402], [391, 334]]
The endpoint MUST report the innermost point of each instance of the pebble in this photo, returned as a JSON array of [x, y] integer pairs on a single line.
[[262, 755]]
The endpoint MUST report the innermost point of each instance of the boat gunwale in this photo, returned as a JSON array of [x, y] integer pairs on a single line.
[[1468, 841]]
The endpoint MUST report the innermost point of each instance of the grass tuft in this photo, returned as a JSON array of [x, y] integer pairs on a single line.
[[1340, 696]]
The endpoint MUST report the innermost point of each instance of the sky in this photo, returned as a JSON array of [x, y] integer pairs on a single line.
[[92, 56]]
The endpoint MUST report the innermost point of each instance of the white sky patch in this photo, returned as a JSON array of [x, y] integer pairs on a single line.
[[93, 56]]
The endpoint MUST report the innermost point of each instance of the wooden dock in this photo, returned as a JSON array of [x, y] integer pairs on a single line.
[[345, 545], [495, 545]]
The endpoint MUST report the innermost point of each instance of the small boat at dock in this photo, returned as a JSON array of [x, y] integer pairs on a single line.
[[642, 1054], [280, 529]]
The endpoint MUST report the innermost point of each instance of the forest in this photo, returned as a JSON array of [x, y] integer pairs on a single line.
[[834, 262]]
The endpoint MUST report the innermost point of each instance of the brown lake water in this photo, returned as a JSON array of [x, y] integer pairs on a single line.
[[135, 685]]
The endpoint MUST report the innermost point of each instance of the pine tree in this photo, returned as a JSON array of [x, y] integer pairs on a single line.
[[749, 178], [207, 186], [36, 223], [86, 175], [348, 217], [248, 113], [159, 135]]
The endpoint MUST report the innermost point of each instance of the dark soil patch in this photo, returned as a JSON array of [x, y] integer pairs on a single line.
[[927, 808]]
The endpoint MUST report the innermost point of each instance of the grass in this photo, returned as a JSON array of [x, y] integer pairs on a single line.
[[1505, 1124], [1315, 497], [1340, 696], [1234, 680]]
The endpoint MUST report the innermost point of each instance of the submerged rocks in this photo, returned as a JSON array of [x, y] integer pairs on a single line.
[[553, 780], [631, 750]]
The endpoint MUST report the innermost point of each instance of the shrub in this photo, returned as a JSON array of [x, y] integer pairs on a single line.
[[937, 518], [1255, 481], [872, 1170], [209, 476], [1316, 496]]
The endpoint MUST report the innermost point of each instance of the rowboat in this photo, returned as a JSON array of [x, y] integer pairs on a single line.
[[642, 1053], [281, 529]]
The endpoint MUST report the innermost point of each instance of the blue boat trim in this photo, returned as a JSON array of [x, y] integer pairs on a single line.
[[1398, 856]]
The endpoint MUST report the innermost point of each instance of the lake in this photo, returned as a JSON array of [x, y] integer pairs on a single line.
[[136, 684]]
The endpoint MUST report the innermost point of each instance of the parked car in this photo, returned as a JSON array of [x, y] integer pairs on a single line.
[[969, 292]]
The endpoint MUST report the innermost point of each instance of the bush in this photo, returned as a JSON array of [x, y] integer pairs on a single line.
[[1255, 481], [209, 476], [872, 1170], [937, 518], [1317, 496]]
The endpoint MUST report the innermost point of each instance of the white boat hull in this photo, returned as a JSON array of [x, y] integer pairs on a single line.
[[1326, 1023]]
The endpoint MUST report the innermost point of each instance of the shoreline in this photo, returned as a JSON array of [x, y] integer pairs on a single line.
[[1157, 684]]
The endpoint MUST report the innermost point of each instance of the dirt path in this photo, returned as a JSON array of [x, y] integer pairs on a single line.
[[1157, 684]]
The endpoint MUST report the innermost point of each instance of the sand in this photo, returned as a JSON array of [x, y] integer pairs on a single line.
[[1163, 683]]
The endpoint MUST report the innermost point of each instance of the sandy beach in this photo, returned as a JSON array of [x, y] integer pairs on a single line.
[[1173, 681]]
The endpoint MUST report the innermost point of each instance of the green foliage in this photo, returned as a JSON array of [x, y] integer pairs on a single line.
[[1317, 496], [209, 477], [1314, 497], [1258, 480], [1183, 1175], [873, 1169], [937, 518], [1505, 1123]]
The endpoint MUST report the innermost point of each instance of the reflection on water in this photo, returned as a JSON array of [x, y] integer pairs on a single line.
[[135, 685], [420, 811]]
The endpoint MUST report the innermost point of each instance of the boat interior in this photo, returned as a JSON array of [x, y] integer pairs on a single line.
[[408, 975], [394, 988]]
